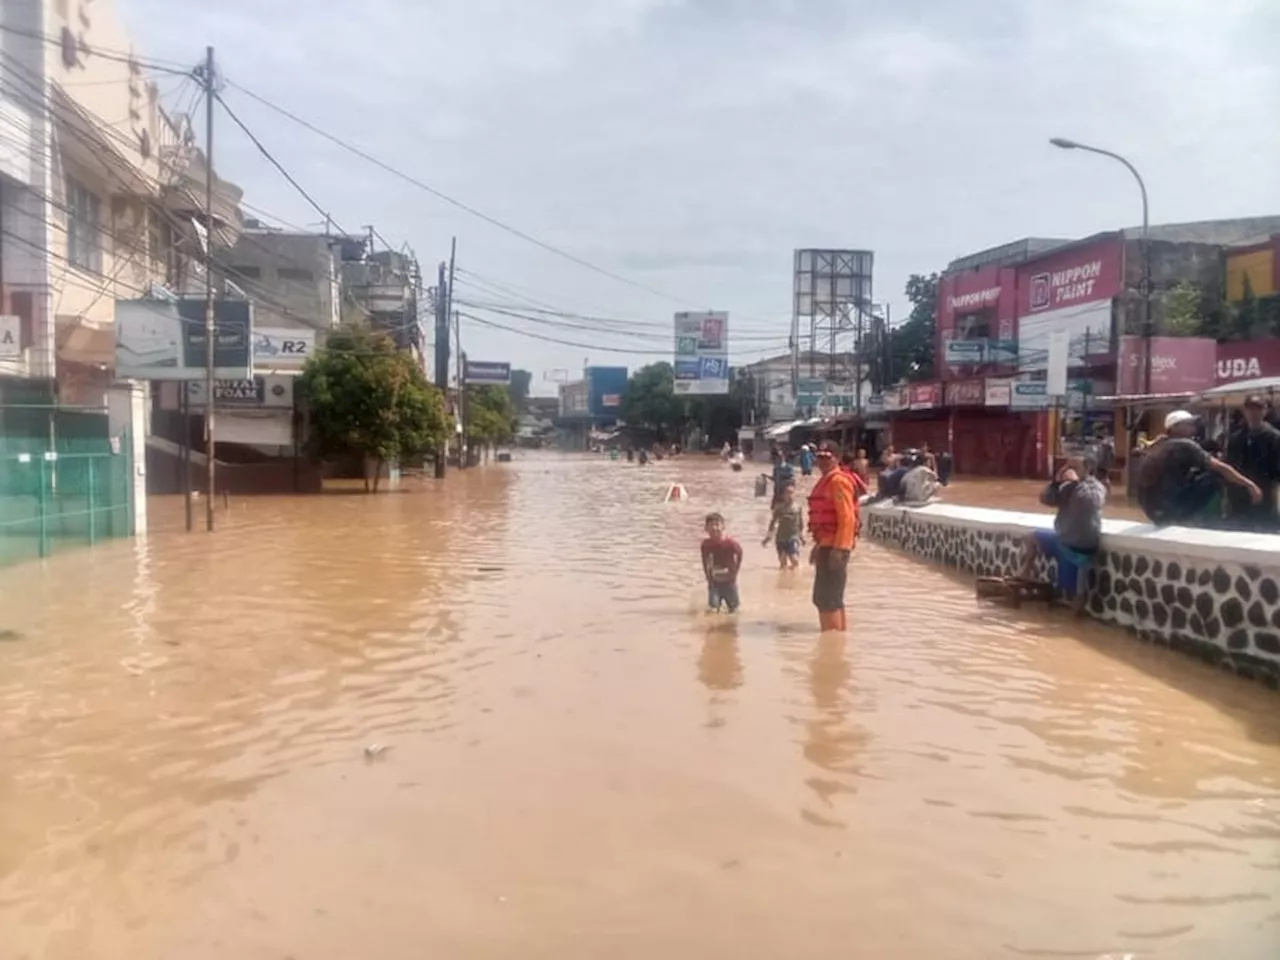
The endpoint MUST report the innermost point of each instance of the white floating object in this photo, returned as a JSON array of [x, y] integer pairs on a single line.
[[675, 492], [375, 750]]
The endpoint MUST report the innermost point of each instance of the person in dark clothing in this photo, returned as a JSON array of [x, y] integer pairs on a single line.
[[1254, 450], [945, 465], [1177, 480]]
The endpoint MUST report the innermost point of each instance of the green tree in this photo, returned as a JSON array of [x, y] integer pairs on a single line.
[[519, 389], [370, 401], [650, 401], [1182, 309], [490, 416], [913, 341]]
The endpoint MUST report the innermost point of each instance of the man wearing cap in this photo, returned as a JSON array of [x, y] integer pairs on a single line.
[[1178, 479], [1254, 450], [833, 523]]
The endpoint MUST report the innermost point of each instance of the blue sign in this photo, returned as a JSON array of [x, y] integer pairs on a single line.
[[702, 353], [478, 371]]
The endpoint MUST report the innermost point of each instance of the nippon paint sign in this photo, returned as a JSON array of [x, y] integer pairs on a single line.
[[1084, 274], [974, 299]]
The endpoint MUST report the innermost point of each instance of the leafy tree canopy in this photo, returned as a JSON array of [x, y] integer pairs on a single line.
[[490, 415], [914, 341], [369, 400]]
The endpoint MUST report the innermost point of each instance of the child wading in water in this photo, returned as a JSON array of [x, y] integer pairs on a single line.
[[786, 526], [721, 560]]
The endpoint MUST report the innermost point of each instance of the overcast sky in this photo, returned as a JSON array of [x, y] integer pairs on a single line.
[[692, 145]]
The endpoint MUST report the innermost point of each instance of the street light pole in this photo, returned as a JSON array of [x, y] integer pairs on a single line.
[[1144, 286]]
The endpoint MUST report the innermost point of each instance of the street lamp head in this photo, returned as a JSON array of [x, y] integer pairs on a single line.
[[1063, 143]]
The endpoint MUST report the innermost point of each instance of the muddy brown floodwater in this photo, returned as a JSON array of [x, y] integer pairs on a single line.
[[579, 764]]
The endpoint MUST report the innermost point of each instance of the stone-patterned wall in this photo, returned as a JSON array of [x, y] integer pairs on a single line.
[[1226, 613]]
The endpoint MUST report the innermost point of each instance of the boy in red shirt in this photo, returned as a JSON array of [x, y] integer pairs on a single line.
[[721, 560]]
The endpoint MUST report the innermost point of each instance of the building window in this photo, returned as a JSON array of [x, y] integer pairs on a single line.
[[293, 273], [247, 273], [84, 227]]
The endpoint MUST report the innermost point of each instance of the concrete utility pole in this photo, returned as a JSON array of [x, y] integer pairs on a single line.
[[210, 327], [1144, 285], [442, 354]]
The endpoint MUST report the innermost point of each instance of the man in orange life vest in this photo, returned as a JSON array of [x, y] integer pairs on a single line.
[[833, 522]]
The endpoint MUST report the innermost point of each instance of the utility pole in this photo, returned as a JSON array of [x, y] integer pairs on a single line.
[[210, 332], [462, 392], [448, 311], [442, 355]]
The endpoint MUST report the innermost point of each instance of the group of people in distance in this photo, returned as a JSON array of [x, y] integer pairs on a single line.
[[833, 528]]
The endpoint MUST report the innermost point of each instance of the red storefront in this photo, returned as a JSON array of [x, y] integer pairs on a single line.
[[922, 418]]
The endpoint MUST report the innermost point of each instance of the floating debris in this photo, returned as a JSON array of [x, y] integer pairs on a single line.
[[375, 750]]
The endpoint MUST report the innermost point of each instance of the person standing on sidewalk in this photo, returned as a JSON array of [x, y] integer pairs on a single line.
[[833, 523]]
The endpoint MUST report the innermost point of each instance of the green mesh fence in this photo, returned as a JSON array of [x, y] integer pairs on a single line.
[[63, 482]]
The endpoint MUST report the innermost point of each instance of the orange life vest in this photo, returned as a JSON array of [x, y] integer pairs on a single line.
[[822, 509]]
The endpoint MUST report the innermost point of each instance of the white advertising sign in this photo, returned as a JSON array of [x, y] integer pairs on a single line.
[[1059, 358], [10, 337], [282, 348], [702, 353], [1087, 326]]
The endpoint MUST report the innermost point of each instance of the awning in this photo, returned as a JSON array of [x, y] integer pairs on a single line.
[[1237, 392], [1147, 398], [782, 429]]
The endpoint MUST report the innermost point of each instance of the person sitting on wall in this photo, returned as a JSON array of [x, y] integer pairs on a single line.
[[920, 482], [889, 482], [1178, 481], [1078, 496]]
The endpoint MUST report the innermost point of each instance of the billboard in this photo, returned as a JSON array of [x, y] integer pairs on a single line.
[[481, 372], [282, 348], [605, 387], [1070, 291], [165, 339], [1178, 365], [702, 353]]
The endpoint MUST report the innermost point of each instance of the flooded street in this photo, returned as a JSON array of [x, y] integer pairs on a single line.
[[579, 763]]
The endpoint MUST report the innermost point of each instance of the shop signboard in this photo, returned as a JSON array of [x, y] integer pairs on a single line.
[[1068, 292], [10, 337], [923, 396], [1028, 395], [282, 348], [1178, 365], [702, 353], [166, 339], [966, 393], [485, 372], [1247, 360], [975, 307], [274, 391], [998, 392]]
